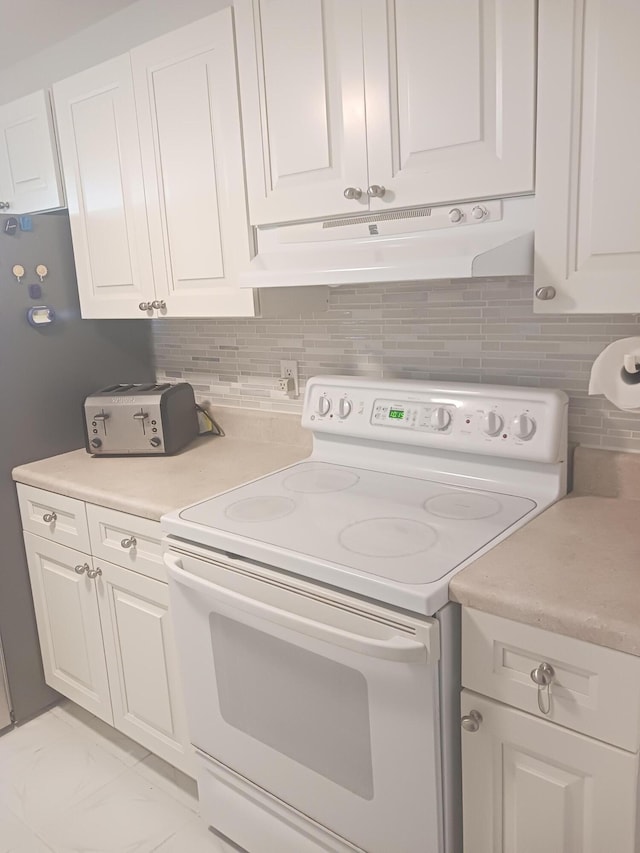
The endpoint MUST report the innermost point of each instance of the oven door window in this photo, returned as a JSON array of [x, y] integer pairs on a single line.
[[308, 707]]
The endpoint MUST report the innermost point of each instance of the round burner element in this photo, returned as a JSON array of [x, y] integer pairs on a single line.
[[265, 508], [388, 537], [320, 481], [463, 506]]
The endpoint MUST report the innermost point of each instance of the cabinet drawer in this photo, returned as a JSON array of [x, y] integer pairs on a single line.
[[126, 540], [594, 690], [54, 517]]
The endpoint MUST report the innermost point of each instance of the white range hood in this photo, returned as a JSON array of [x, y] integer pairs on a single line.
[[481, 238]]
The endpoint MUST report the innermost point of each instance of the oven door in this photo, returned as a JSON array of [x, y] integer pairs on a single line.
[[328, 703]]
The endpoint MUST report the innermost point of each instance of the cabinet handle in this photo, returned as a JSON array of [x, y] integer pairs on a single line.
[[80, 570], [93, 573], [352, 192], [49, 517], [145, 306], [543, 676], [471, 722], [5, 205], [158, 303], [545, 293], [131, 542], [376, 191]]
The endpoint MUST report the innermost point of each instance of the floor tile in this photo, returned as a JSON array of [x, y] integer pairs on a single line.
[[196, 838], [42, 775], [171, 780], [128, 815], [16, 837], [101, 733], [46, 728]]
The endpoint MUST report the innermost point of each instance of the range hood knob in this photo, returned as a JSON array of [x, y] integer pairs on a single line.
[[456, 215], [479, 211]]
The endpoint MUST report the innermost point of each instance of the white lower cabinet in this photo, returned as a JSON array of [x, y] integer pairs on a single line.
[[105, 632], [530, 786], [533, 783], [68, 617], [146, 694]]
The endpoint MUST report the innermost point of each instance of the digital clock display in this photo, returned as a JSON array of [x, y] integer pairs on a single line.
[[397, 414]]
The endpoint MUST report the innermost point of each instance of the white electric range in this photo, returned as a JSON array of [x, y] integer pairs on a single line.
[[318, 651]]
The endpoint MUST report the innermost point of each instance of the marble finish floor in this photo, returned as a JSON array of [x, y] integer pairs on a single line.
[[69, 783]]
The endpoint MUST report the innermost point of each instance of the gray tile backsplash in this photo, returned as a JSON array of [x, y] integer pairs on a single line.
[[479, 330]]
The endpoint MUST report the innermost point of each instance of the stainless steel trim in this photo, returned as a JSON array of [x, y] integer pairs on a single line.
[[5, 697]]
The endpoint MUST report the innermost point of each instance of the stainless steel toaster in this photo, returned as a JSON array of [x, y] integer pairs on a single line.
[[140, 419]]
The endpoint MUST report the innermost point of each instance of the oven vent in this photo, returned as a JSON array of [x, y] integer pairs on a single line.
[[415, 213]]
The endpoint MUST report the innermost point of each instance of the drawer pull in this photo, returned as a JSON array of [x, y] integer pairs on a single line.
[[80, 570], [543, 676], [471, 722], [131, 542], [49, 517]]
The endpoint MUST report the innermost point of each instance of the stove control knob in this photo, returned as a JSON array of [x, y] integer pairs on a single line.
[[524, 426], [155, 441], [344, 407], [324, 406], [492, 423], [440, 418]]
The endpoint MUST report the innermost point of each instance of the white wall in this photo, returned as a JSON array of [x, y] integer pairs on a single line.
[[116, 34]]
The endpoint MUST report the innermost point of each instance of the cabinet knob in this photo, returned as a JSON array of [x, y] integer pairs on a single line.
[[49, 517], [93, 573], [80, 570], [5, 205], [130, 542], [545, 293], [376, 191], [543, 676], [352, 192], [471, 722], [145, 306], [158, 303]]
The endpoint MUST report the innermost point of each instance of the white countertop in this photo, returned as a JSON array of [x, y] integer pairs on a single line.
[[256, 444]]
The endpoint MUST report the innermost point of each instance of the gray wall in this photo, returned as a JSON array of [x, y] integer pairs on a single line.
[[479, 331], [116, 34]]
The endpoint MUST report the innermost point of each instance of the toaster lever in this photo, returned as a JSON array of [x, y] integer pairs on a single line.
[[141, 416], [101, 417]]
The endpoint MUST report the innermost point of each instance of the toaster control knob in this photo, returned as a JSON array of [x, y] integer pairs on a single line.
[[155, 441], [96, 442]]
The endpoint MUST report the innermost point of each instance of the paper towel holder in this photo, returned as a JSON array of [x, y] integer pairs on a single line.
[[630, 371]]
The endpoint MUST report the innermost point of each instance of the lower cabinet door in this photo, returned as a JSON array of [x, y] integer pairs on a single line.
[[146, 692], [66, 606], [532, 786]]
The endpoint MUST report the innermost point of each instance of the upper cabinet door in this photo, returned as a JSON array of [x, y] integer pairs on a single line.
[[30, 178], [588, 178], [303, 107], [100, 152], [451, 116], [189, 123]]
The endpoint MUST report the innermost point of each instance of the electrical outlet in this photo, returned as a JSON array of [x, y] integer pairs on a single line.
[[289, 370]]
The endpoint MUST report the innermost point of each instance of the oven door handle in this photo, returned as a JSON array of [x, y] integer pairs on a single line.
[[398, 649]]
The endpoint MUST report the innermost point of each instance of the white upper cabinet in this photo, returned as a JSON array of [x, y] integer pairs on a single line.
[[152, 155], [356, 105], [189, 123], [451, 115], [30, 178], [302, 89], [588, 177], [97, 129]]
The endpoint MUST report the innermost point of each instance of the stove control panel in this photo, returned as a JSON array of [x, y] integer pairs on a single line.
[[525, 423]]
